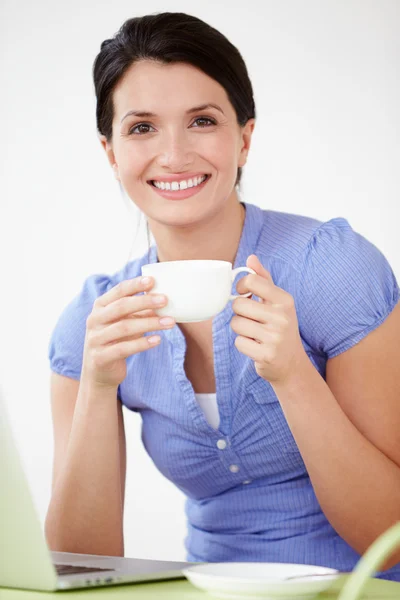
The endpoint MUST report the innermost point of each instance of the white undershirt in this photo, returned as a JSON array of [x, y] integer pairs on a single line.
[[208, 403]]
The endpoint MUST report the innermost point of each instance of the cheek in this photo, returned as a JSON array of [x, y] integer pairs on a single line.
[[220, 152], [132, 161]]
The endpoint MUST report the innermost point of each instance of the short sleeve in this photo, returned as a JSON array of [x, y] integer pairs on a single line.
[[347, 288], [66, 344]]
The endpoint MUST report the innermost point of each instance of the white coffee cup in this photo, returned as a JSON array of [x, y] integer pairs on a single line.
[[196, 290]]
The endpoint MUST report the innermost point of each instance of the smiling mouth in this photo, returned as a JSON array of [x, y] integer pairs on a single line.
[[206, 175]]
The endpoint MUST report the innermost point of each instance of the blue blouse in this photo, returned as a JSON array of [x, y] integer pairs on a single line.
[[249, 496]]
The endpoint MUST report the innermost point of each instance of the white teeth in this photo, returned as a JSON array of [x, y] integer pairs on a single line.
[[180, 185]]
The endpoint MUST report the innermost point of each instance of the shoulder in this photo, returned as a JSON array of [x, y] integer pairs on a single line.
[[68, 336], [98, 284], [288, 236], [284, 239], [296, 239]]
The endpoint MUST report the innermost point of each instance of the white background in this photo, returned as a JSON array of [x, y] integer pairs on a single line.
[[326, 144]]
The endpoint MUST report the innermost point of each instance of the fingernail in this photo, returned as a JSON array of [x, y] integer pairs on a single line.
[[145, 280], [158, 299], [167, 321]]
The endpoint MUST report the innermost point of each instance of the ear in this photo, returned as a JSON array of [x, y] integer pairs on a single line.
[[246, 133], [110, 154]]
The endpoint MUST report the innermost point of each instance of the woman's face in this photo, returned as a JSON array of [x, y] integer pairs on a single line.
[[175, 140]]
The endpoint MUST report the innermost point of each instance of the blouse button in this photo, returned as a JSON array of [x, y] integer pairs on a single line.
[[221, 444], [234, 468]]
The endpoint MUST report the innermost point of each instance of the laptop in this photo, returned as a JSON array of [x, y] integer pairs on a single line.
[[25, 559]]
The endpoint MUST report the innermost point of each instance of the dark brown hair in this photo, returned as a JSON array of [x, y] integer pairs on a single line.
[[171, 37]]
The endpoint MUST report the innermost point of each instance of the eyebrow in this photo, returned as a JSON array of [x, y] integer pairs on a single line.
[[146, 114]]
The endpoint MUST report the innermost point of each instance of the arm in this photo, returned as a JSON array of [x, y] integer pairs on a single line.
[[86, 508], [347, 431], [347, 428], [85, 514]]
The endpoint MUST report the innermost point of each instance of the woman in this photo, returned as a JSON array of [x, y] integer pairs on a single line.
[[278, 419]]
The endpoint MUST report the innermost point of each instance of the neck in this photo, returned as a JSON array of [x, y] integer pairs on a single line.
[[216, 238]]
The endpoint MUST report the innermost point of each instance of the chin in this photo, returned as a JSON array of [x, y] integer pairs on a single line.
[[181, 213]]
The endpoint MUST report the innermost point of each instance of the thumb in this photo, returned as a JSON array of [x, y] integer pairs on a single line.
[[253, 263]]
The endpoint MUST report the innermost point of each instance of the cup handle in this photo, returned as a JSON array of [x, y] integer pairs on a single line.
[[236, 272]]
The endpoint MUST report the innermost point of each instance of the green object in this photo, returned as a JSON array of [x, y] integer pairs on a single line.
[[371, 562], [375, 589], [21, 536]]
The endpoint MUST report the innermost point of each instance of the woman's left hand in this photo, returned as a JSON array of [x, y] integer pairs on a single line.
[[268, 330]]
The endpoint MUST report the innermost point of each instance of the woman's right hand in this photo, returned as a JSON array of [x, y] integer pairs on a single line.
[[115, 328]]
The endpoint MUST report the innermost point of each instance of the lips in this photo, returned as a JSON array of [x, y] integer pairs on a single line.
[[151, 181], [180, 194], [178, 176]]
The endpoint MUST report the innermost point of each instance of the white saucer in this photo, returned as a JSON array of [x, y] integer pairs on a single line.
[[244, 581]]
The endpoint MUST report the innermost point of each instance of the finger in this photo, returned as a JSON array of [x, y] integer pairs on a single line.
[[263, 313], [124, 288], [250, 348], [248, 328], [147, 312], [142, 314], [128, 329], [128, 348], [253, 262], [247, 307], [261, 287], [130, 305]]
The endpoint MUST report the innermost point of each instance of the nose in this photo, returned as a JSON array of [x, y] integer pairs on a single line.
[[175, 152]]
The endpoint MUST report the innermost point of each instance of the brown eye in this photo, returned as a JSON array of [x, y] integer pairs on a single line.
[[140, 125], [205, 119]]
